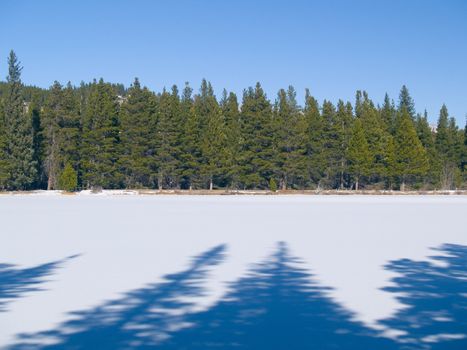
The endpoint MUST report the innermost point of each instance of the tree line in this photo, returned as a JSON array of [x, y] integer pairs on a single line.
[[101, 135]]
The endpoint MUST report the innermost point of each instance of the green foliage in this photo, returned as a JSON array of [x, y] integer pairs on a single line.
[[213, 139], [449, 145], [315, 157], [100, 148], [406, 102], [411, 158], [4, 164], [427, 139], [68, 180], [388, 114], [375, 134], [18, 136], [168, 139], [272, 185], [101, 135], [233, 146], [358, 153], [257, 154], [290, 140], [190, 157], [138, 121]]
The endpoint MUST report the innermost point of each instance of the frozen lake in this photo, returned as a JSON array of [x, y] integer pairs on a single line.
[[233, 271]]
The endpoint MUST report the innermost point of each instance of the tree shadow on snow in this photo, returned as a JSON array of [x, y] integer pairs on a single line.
[[16, 282], [142, 317], [276, 306], [435, 300]]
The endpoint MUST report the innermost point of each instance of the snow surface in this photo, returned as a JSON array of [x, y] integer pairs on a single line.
[[125, 242]]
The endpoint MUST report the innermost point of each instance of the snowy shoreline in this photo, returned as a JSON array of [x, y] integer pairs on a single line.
[[147, 192]]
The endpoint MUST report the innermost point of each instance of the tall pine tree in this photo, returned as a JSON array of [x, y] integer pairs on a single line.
[[212, 129], [290, 141], [167, 139], [257, 161], [19, 162], [190, 155], [358, 153], [316, 161], [231, 114], [138, 137], [101, 140]]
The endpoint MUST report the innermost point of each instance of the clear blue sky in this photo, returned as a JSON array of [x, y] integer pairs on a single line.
[[332, 47]]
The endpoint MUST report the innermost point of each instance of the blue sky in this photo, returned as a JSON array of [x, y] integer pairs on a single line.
[[331, 47]]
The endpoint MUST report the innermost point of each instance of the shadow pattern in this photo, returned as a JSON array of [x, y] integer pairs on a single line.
[[276, 306], [143, 317], [435, 299], [16, 282]]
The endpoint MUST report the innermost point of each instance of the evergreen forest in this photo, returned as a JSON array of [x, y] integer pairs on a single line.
[[101, 135]]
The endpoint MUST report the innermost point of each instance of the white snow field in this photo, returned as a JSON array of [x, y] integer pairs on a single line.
[[123, 243]]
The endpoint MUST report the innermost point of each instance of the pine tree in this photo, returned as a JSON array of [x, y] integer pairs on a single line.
[[100, 140], [388, 114], [168, 139], [411, 158], [330, 136], [290, 142], [35, 109], [231, 114], [464, 156], [427, 139], [20, 162], [316, 162], [390, 161], [68, 179], [358, 153], [52, 113], [344, 123], [138, 136], [257, 161], [448, 145], [70, 129], [406, 101], [213, 139], [190, 153], [376, 135], [4, 164]]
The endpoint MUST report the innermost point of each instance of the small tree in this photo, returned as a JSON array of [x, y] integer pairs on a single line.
[[68, 180], [272, 185]]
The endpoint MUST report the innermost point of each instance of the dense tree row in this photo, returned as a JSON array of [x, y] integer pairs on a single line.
[[100, 135]]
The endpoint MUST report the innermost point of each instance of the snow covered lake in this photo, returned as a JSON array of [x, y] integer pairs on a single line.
[[139, 271]]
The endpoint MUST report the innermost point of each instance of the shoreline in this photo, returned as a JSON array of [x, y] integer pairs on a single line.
[[224, 192]]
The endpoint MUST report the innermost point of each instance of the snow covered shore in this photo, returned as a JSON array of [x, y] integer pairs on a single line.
[[107, 245], [147, 192]]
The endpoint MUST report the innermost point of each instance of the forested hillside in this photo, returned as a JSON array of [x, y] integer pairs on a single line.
[[100, 135]]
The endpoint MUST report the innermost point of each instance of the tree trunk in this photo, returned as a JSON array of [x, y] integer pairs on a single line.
[[50, 183], [341, 186], [210, 184], [159, 182], [356, 184], [403, 184], [52, 168], [284, 183]]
